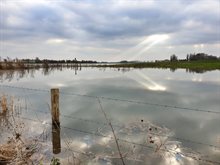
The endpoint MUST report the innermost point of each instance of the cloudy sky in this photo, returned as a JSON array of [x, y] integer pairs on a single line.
[[108, 30]]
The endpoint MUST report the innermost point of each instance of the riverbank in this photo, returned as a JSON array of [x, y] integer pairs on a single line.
[[196, 65], [23, 66]]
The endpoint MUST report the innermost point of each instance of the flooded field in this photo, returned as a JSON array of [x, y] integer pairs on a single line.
[[112, 116]]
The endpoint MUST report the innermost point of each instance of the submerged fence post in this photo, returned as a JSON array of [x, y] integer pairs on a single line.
[[55, 121]]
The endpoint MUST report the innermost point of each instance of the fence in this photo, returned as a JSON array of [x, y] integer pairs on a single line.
[[57, 125]]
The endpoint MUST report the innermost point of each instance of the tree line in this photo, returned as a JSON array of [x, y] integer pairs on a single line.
[[195, 57], [37, 60], [10, 63]]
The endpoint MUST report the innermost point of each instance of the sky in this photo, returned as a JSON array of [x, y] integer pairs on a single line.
[[108, 30]]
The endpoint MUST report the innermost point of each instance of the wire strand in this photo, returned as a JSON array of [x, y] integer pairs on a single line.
[[118, 100], [123, 140]]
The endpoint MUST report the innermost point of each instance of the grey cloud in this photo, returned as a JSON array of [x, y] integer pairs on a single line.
[[194, 37], [104, 25], [129, 22], [36, 21]]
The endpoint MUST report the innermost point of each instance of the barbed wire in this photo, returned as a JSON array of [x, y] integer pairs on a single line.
[[111, 138], [121, 126], [25, 88], [126, 141], [102, 123], [96, 134], [118, 100]]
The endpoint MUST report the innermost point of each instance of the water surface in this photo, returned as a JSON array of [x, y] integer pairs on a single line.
[[128, 97]]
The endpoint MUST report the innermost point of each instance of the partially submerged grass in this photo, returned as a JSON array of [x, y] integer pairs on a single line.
[[192, 65], [12, 65], [4, 106], [16, 149]]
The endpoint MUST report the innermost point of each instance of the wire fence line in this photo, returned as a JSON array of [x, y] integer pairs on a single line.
[[123, 140], [115, 125], [118, 100], [120, 126], [89, 154]]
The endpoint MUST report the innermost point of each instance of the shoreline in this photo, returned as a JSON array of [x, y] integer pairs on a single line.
[[205, 65]]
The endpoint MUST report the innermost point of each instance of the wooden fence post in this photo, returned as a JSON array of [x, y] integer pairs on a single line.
[[55, 106], [55, 121]]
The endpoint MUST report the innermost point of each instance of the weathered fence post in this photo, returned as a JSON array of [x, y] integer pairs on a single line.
[[55, 121], [55, 106]]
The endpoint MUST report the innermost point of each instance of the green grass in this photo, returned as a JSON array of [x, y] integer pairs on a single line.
[[193, 65], [197, 66]]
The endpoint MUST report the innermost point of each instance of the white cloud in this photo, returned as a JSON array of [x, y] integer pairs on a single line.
[[55, 41]]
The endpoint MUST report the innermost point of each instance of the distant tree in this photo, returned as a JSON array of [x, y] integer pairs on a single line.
[[75, 60], [173, 58], [124, 61], [187, 57], [45, 63], [37, 60], [201, 56]]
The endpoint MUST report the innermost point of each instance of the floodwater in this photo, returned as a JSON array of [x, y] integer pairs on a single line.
[[159, 116]]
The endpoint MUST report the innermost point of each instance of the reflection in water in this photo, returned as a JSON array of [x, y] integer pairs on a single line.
[[149, 83], [173, 69], [99, 147], [196, 70], [150, 143], [197, 79], [9, 75], [56, 138], [180, 90], [18, 74]]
